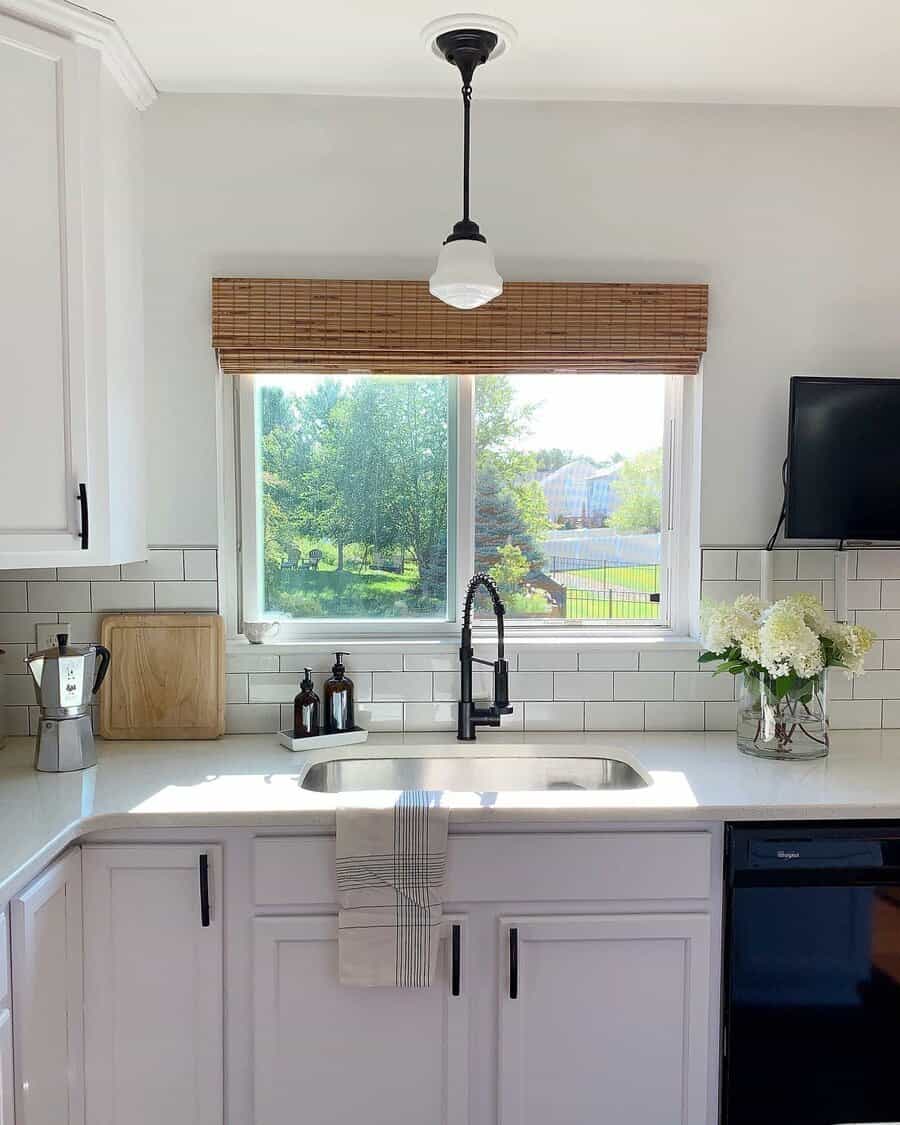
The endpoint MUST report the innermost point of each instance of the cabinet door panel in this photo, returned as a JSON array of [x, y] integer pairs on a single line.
[[611, 1021], [153, 986], [327, 1054], [43, 435], [6, 1069], [47, 997]]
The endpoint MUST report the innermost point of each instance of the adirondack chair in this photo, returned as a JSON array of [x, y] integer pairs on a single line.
[[292, 562]]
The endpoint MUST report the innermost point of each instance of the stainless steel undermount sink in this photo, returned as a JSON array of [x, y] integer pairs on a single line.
[[472, 774]]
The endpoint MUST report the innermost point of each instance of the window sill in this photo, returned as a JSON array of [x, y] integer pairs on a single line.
[[584, 642]]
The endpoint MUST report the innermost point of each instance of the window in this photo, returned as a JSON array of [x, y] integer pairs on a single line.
[[369, 500]]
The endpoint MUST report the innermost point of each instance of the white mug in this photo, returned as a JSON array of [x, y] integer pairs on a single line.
[[257, 632]]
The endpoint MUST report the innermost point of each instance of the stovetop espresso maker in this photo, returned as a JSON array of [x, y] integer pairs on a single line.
[[65, 681]]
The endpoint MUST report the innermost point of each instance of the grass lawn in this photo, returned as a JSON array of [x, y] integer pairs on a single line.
[[645, 578]]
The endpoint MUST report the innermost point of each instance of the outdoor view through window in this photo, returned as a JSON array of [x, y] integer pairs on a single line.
[[354, 487]]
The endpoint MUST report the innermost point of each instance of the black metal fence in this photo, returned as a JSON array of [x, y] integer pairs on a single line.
[[601, 589]]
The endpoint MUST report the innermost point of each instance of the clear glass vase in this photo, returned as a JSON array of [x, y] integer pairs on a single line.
[[791, 728]]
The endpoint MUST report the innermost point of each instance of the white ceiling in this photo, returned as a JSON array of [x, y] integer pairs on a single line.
[[819, 52]]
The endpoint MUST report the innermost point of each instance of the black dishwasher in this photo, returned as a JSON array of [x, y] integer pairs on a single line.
[[812, 974]]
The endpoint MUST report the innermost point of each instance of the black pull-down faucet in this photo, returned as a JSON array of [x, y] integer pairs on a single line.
[[468, 715]]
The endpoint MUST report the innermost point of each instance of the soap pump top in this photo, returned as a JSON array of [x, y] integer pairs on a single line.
[[306, 709], [338, 698]]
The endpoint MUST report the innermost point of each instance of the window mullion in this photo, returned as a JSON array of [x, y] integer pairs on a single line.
[[465, 485]]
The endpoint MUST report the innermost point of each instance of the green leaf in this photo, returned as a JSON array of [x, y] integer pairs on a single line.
[[708, 657]]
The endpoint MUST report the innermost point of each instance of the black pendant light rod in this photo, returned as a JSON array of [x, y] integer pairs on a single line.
[[467, 114], [466, 49]]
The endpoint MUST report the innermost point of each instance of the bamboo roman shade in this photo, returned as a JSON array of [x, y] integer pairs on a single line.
[[397, 327]]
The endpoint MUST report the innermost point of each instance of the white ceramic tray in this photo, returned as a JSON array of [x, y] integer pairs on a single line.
[[321, 741]]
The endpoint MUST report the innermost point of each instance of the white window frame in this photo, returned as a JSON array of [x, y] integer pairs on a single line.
[[242, 515]]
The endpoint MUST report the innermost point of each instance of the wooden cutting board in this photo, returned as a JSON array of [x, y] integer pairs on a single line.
[[166, 676]]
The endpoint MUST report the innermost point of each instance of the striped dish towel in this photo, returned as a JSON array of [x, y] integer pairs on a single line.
[[391, 864]]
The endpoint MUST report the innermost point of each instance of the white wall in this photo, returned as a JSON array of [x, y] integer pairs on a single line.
[[789, 214]]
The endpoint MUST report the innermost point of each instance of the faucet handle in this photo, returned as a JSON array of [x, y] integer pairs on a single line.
[[501, 687]]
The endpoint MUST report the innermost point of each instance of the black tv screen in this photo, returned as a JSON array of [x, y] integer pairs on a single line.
[[843, 477]]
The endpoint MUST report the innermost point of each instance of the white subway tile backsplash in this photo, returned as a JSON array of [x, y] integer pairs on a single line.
[[531, 685], [784, 564], [37, 574], [431, 662], [838, 685], [890, 713], [122, 595], [890, 595], [20, 691], [703, 686], [90, 573], [879, 563], [194, 596], [553, 716], [643, 685], [16, 721], [855, 714], [673, 716], [713, 591], [321, 660], [446, 685], [200, 565], [61, 596], [891, 654], [581, 685], [20, 627], [402, 686], [12, 660], [163, 565], [236, 688], [877, 685], [672, 660], [429, 716], [787, 589], [13, 597], [610, 660], [547, 660], [252, 718], [719, 564], [885, 623], [85, 627], [720, 716], [380, 716], [874, 658], [251, 662], [614, 716], [815, 564]]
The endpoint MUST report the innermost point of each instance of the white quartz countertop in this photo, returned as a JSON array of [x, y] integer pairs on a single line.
[[249, 780]]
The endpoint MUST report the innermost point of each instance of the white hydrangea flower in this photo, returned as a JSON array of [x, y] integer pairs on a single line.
[[852, 642], [787, 644]]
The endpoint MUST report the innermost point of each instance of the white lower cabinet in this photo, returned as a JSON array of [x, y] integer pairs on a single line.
[[325, 1054], [604, 1018], [6, 1068], [47, 996], [153, 984]]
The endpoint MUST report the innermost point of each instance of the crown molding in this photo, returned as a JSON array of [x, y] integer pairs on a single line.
[[84, 26]]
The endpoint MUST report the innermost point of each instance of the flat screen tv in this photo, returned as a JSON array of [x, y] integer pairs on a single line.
[[843, 471]]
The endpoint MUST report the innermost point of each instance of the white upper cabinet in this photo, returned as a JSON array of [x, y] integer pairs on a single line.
[[71, 361]]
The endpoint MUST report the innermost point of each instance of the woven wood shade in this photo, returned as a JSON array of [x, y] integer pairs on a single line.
[[397, 327]]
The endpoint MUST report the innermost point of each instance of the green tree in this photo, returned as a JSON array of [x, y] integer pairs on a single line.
[[638, 491], [511, 569]]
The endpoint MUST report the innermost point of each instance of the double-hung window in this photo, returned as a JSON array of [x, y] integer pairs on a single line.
[[388, 450], [368, 500]]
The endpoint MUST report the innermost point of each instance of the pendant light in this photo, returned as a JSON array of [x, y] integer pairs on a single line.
[[465, 276]]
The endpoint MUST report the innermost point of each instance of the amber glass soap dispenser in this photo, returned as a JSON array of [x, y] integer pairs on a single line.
[[338, 699], [306, 709]]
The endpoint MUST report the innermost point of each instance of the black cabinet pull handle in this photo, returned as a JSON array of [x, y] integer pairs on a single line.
[[513, 963], [85, 526], [204, 889], [455, 960]]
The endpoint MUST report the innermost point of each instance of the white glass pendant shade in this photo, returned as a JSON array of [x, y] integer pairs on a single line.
[[466, 276]]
